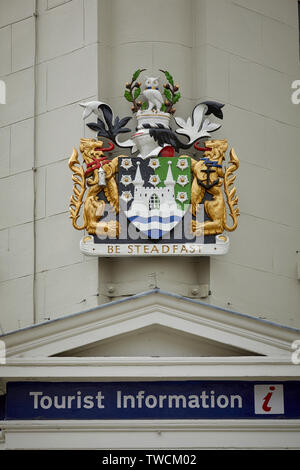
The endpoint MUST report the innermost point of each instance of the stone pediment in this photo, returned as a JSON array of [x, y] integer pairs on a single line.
[[149, 329], [156, 341]]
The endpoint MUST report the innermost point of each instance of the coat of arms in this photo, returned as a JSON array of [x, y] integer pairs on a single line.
[[154, 199]]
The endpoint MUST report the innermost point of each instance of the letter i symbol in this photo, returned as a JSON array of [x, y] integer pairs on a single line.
[[266, 399]]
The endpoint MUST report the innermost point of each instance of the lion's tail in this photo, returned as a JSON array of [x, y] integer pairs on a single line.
[[78, 190], [232, 199]]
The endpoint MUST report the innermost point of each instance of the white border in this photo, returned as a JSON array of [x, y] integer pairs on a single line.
[[152, 434]]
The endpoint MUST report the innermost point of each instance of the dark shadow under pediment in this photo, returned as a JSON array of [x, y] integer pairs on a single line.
[[156, 341]]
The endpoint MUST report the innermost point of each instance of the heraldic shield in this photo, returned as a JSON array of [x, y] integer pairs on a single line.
[[166, 193], [154, 193]]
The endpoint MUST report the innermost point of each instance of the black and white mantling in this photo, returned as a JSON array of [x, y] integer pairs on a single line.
[[194, 128]]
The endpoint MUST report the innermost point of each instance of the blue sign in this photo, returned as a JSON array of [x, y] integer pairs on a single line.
[[153, 400]]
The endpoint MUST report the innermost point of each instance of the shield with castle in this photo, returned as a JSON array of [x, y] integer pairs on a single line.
[[166, 193]]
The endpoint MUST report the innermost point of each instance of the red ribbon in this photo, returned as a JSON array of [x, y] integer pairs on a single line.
[[108, 149], [202, 149], [95, 164], [98, 162]]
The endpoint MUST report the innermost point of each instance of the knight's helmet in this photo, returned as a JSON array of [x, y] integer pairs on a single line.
[[144, 142]]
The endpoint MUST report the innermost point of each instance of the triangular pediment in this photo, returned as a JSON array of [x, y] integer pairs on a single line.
[[156, 341], [153, 324]]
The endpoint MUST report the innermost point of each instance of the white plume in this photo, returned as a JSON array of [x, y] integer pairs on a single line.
[[198, 127], [91, 107]]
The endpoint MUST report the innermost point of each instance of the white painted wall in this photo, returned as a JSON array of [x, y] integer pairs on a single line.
[[252, 57], [244, 53], [66, 73]]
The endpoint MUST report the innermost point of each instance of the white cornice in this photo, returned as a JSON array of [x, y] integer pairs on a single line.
[[153, 425], [152, 434], [127, 368], [154, 308]]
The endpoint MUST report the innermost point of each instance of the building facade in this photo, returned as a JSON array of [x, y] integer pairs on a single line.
[[64, 314]]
